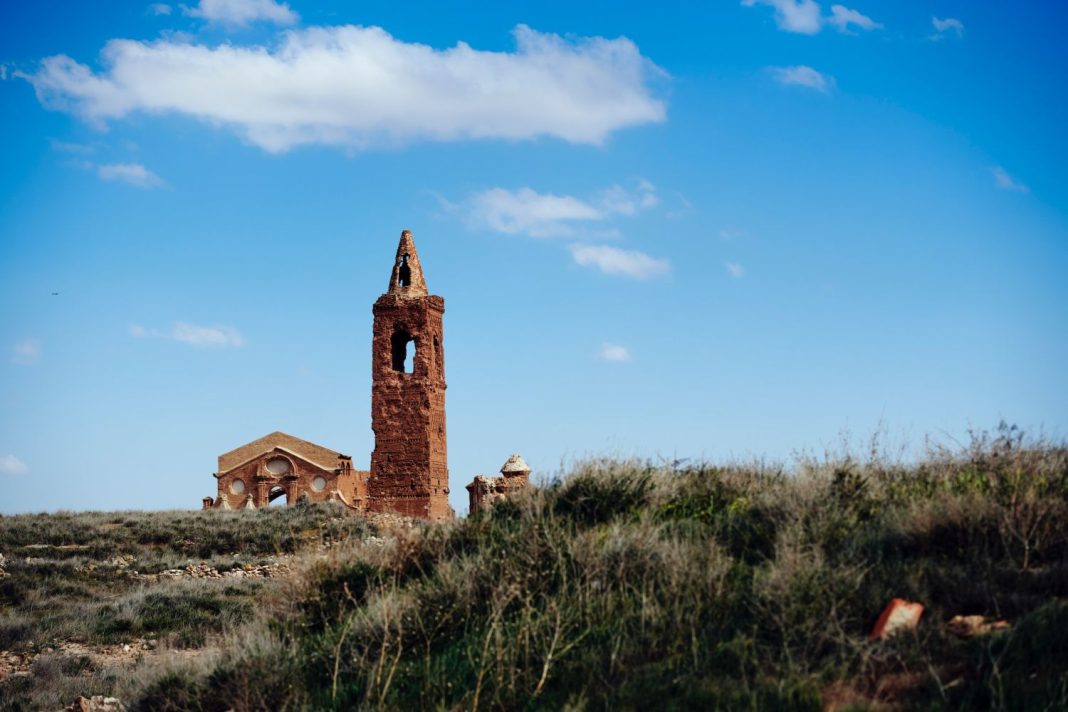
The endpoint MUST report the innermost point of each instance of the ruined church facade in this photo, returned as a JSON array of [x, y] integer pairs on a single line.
[[409, 472]]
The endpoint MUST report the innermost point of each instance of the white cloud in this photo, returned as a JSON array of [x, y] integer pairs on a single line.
[[806, 17], [1007, 182], [11, 465], [132, 173], [26, 352], [618, 199], [614, 352], [238, 13], [526, 211], [942, 26], [3, 72], [803, 76], [729, 233], [734, 269], [160, 9], [221, 336], [207, 335], [842, 17], [529, 212], [612, 260], [801, 16], [359, 87]]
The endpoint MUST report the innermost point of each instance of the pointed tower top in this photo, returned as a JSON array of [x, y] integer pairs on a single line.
[[407, 278]]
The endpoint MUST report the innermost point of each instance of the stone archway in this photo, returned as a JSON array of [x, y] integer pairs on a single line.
[[278, 496]]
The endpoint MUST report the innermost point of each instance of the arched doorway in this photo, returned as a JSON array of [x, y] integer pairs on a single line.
[[277, 496]]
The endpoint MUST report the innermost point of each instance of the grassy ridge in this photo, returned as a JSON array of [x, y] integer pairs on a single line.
[[626, 585], [77, 590]]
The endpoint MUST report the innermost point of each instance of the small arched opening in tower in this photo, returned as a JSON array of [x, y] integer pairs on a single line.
[[404, 278], [403, 357]]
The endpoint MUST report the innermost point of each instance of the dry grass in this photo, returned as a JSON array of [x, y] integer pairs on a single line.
[[631, 585], [84, 609]]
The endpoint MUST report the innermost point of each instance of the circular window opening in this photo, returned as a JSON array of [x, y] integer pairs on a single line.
[[237, 486], [278, 466], [319, 483]]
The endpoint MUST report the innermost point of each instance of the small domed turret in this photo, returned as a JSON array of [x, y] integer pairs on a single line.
[[516, 467]]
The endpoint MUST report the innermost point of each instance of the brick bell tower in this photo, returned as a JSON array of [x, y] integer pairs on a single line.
[[409, 468]]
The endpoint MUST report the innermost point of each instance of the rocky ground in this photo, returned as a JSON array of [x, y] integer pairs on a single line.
[[90, 601]]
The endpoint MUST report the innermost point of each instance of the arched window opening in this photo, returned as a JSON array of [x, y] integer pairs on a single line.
[[278, 496], [403, 357], [405, 276]]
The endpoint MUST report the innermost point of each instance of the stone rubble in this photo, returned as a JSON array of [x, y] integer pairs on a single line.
[[96, 703], [203, 571], [971, 626]]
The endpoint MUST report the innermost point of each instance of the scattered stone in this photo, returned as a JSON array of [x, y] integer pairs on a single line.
[[96, 703], [898, 615], [203, 571], [971, 626]]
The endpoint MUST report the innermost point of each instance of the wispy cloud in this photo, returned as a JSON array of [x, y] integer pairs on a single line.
[[803, 76], [943, 27], [614, 352], [682, 208], [213, 336], [528, 212], [1006, 182], [845, 19], [238, 13], [359, 87], [734, 269], [11, 465], [618, 199], [806, 16], [26, 352], [612, 260], [802, 16], [160, 8], [75, 148], [132, 173]]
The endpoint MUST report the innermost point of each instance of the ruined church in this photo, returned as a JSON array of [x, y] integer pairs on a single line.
[[409, 472]]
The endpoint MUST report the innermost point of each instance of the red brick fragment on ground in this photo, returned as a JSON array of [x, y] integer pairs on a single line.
[[898, 615]]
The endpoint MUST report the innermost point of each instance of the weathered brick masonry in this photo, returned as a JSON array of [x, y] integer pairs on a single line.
[[409, 468], [485, 491], [280, 465]]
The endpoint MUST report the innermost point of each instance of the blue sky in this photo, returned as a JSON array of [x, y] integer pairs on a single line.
[[674, 230]]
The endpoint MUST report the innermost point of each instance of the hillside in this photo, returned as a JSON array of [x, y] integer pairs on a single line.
[[622, 585]]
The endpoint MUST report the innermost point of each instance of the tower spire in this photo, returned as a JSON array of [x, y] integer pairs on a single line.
[[407, 278], [409, 465]]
